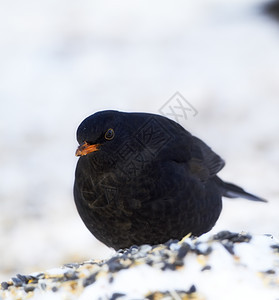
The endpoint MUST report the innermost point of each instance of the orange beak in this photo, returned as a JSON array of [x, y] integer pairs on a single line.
[[85, 148]]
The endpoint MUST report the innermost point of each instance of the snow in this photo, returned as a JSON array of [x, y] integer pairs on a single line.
[[250, 273], [60, 62], [240, 279]]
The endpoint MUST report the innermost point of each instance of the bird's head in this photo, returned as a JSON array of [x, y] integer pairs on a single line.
[[99, 132]]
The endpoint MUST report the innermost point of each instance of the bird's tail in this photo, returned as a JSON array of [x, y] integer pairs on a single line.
[[231, 190]]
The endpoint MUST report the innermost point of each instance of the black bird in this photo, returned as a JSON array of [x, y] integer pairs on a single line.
[[143, 179]]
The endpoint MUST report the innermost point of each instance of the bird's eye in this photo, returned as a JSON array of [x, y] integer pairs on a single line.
[[109, 135]]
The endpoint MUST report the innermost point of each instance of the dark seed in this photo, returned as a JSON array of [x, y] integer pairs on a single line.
[[183, 250], [133, 249], [72, 265], [17, 282], [240, 238], [22, 278], [229, 247], [43, 286], [178, 263], [115, 265], [115, 296], [155, 295], [232, 236], [224, 235], [29, 288], [275, 247], [89, 280], [32, 279], [4, 285], [40, 276], [70, 276], [207, 251], [149, 261], [205, 268], [192, 289], [54, 289], [168, 266], [171, 241]]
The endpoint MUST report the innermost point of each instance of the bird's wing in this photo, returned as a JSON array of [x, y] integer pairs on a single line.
[[204, 163]]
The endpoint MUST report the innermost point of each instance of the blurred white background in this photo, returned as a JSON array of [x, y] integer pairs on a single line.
[[62, 61]]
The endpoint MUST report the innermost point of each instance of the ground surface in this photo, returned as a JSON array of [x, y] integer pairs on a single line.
[[227, 265], [63, 61]]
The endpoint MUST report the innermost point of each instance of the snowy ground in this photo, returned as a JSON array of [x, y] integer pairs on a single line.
[[61, 61], [205, 268]]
